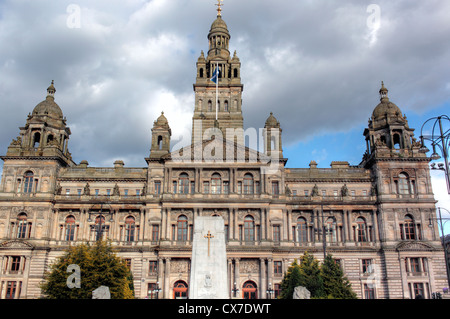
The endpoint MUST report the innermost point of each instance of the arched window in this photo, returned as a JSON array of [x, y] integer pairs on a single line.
[[209, 106], [249, 290], [330, 230], [36, 139], [70, 228], [225, 106], [182, 228], [23, 227], [302, 235], [396, 138], [28, 182], [180, 290], [201, 72], [248, 184], [130, 228], [49, 138], [183, 183], [403, 184], [160, 142], [409, 229], [361, 229], [216, 183], [249, 229], [235, 73]]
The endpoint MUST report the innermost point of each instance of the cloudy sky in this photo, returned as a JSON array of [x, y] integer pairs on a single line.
[[316, 64]]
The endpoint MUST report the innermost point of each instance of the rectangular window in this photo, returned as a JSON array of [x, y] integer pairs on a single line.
[[125, 193], [79, 192], [414, 265], [353, 194], [108, 192], [97, 192], [239, 185], [155, 232], [11, 289], [276, 233], [153, 267], [138, 193], [369, 291], [192, 187], [157, 187], [174, 187], [367, 267], [277, 268], [418, 290], [276, 290], [275, 188], [67, 192], [15, 263], [324, 193], [306, 193]]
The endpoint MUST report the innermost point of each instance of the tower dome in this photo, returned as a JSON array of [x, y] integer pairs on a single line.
[[48, 107], [162, 120], [385, 107], [271, 120]]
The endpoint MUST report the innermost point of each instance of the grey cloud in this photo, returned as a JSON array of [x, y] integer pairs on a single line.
[[309, 62]]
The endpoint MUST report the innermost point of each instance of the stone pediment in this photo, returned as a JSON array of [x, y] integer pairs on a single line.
[[217, 150], [414, 246], [16, 244]]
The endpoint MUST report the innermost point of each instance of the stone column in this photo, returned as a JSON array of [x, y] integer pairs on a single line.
[[235, 224], [168, 212], [142, 224], [270, 271], [55, 224], [267, 216], [167, 278], [263, 223], [289, 225], [262, 274], [375, 226], [237, 279], [230, 276]]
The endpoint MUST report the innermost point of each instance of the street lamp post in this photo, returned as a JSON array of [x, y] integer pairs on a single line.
[[156, 290], [235, 290], [444, 245], [324, 231], [269, 291], [99, 229], [441, 140]]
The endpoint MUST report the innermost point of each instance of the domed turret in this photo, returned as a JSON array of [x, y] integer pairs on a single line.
[[162, 120], [388, 131], [272, 121], [48, 107], [385, 107]]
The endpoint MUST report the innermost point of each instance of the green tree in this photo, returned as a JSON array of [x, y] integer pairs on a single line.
[[310, 275], [290, 280], [336, 285], [98, 265]]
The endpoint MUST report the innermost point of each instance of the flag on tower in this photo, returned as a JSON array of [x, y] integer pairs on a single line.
[[215, 75]]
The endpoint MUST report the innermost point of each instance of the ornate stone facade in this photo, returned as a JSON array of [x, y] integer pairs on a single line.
[[376, 218]]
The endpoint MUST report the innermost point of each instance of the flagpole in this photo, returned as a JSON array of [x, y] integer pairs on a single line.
[[217, 90]]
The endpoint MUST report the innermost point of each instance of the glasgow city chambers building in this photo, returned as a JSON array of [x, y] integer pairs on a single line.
[[377, 219]]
